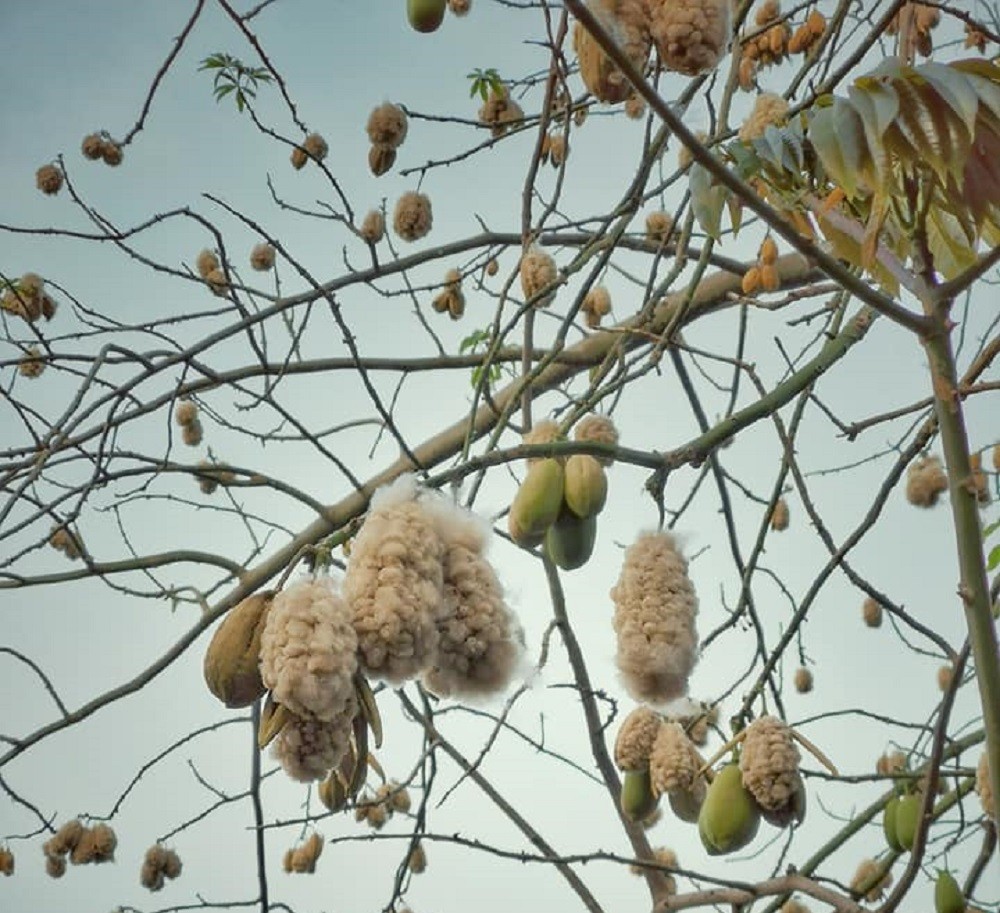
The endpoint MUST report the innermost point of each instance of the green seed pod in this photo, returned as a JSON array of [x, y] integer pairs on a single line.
[[537, 502], [425, 15], [586, 485], [729, 817], [889, 824], [947, 894], [908, 819], [685, 804], [637, 799], [570, 540]]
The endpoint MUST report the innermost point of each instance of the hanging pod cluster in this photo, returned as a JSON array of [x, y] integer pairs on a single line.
[[419, 599], [559, 500]]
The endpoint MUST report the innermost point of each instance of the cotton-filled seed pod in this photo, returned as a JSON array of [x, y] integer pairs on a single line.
[[691, 35], [262, 257], [91, 146], [192, 433], [974, 38], [600, 430], [298, 158], [185, 412], [159, 863], [779, 515], [867, 883], [665, 857], [871, 611], [316, 146], [62, 540], [55, 866], [65, 839], [793, 906], [499, 111], [636, 735], [538, 271], [49, 179], [983, 788], [544, 432], [945, 674], [387, 126], [373, 226], [27, 307], [600, 74], [307, 748], [770, 109], [381, 159], [31, 365], [6, 861], [889, 764], [803, 680], [96, 844], [654, 619], [112, 153], [492, 267], [412, 218], [394, 584], [459, 7], [232, 661], [217, 282], [769, 764], [659, 224], [308, 652], [302, 859], [596, 304], [479, 639], [207, 263], [925, 481], [416, 862], [673, 761]]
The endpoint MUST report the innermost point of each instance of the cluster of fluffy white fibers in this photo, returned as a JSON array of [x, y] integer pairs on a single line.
[[308, 748], [770, 764], [394, 584], [479, 645], [655, 610], [308, 651]]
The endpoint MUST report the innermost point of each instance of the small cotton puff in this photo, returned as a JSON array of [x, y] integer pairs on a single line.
[[412, 218], [769, 109], [925, 482], [769, 763], [49, 179], [538, 272], [262, 257], [598, 429], [479, 639], [308, 651], [159, 863], [387, 126], [636, 735], [395, 584], [654, 619]]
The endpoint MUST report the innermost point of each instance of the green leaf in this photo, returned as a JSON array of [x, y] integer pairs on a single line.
[[990, 529], [707, 200], [993, 562]]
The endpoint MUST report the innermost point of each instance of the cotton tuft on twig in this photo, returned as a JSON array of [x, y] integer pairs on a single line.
[[655, 611], [395, 584], [538, 272], [925, 481]]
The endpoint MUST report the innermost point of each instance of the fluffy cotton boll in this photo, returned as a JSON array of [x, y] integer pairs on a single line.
[[217, 282], [192, 433], [394, 585], [206, 263], [308, 651], [66, 838], [316, 146], [48, 179], [55, 866], [185, 412], [478, 649], [770, 109], [538, 272], [373, 227], [635, 107], [417, 860], [654, 619], [779, 515], [92, 146], [889, 764], [673, 761], [691, 35], [626, 21], [543, 432], [412, 218], [871, 611], [983, 788], [387, 126], [769, 763], [308, 748], [866, 882], [262, 257], [112, 154], [598, 429], [636, 735], [925, 482], [658, 226]]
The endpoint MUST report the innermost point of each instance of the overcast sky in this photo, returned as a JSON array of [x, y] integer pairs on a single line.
[[70, 68]]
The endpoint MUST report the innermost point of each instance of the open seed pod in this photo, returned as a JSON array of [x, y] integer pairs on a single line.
[[231, 661]]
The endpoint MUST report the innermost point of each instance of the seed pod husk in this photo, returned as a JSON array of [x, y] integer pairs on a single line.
[[729, 817], [231, 660], [637, 799], [908, 819], [537, 502], [947, 894], [686, 804], [889, 824], [586, 485], [570, 540]]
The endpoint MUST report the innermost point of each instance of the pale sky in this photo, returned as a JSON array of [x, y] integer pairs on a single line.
[[71, 68]]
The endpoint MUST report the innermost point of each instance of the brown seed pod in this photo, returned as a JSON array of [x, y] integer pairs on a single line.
[[315, 146], [691, 35], [231, 664], [381, 159], [925, 481], [768, 251], [600, 75], [206, 263], [751, 280], [298, 158], [871, 611], [945, 674], [492, 267], [769, 764], [779, 516], [373, 226], [500, 111], [185, 412], [92, 146], [412, 218], [769, 109], [262, 257], [217, 282], [6, 861], [673, 761], [459, 7], [32, 364], [538, 272], [49, 179], [770, 280], [867, 883], [635, 107], [192, 433], [803, 680], [387, 126], [889, 764], [112, 153]]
